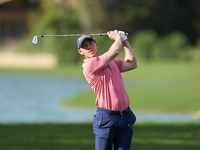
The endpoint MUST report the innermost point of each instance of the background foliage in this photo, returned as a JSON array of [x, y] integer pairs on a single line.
[[157, 29]]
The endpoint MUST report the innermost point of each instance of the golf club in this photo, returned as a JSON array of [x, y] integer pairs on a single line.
[[35, 38]]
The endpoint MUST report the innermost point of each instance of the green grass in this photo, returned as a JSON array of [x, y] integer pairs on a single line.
[[165, 71], [181, 100], [69, 70], [156, 87], [80, 137], [153, 70]]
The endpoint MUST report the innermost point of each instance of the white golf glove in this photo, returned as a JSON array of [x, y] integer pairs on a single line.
[[123, 35]]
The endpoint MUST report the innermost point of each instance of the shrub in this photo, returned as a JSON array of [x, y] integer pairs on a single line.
[[171, 46], [143, 43]]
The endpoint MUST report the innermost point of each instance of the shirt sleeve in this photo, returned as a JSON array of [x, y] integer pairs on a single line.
[[119, 63], [94, 65]]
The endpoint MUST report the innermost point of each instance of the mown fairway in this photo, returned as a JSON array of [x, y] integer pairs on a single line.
[[80, 137], [156, 87]]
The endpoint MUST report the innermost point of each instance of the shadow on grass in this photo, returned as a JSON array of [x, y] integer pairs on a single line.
[[80, 137]]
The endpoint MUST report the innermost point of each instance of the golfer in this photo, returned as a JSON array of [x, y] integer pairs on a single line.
[[113, 121]]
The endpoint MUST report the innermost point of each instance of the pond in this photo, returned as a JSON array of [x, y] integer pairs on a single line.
[[36, 99]]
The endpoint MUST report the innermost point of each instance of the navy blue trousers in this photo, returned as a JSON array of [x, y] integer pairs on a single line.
[[113, 128]]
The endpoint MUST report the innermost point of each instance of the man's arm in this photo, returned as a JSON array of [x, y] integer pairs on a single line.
[[130, 59], [115, 48]]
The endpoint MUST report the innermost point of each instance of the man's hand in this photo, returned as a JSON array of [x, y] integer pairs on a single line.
[[113, 35], [123, 35]]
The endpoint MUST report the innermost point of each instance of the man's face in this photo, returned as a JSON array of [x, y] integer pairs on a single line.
[[89, 48]]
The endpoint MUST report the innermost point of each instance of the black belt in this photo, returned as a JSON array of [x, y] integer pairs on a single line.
[[121, 112]]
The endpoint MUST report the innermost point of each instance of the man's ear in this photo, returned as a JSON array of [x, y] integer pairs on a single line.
[[96, 45], [80, 52]]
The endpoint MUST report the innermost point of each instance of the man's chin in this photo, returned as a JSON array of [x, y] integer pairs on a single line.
[[93, 55]]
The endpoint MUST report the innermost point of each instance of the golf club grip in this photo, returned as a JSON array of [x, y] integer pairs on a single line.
[[104, 34]]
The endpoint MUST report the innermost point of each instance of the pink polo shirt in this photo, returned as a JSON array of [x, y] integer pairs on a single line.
[[106, 82]]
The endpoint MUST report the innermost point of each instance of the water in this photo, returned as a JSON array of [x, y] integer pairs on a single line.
[[37, 99], [30, 99]]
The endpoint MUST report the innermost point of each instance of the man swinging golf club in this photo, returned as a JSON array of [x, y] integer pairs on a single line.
[[113, 122]]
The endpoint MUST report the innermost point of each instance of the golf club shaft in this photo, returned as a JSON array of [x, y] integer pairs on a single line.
[[101, 34]]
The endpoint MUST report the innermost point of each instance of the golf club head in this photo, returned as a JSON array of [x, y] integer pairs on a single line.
[[34, 41]]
